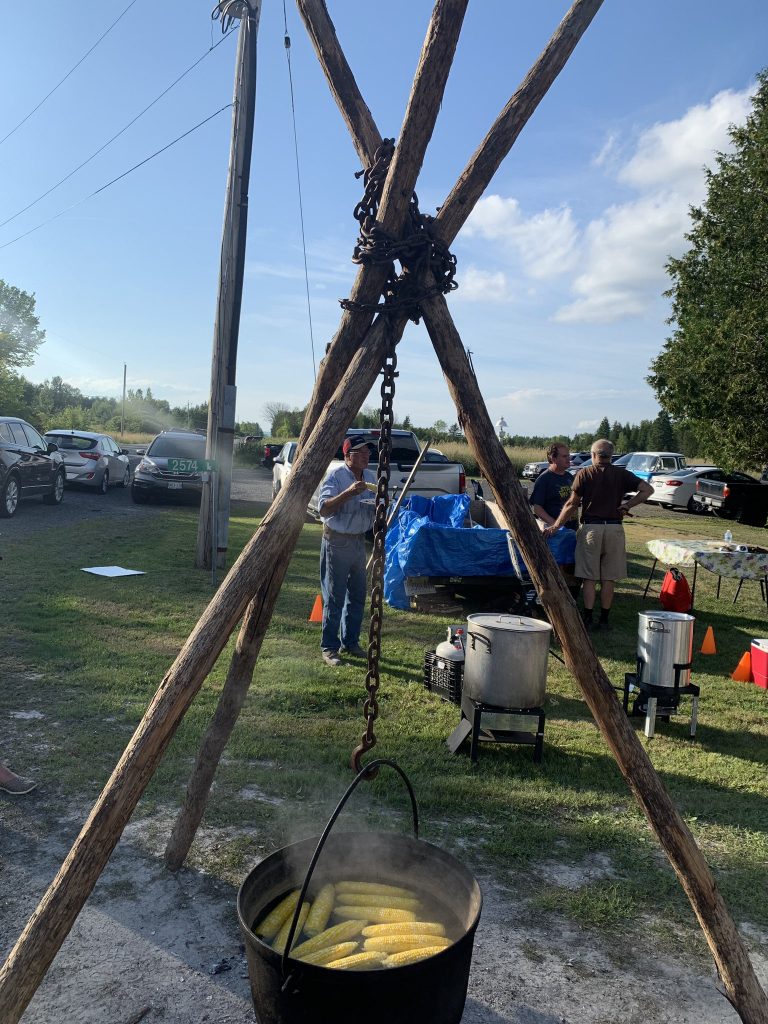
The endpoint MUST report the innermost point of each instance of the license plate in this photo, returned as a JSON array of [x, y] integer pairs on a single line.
[[174, 487]]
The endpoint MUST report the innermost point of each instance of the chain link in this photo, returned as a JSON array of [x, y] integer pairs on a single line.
[[386, 419]]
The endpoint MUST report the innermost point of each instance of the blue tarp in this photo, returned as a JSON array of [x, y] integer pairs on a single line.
[[428, 539]]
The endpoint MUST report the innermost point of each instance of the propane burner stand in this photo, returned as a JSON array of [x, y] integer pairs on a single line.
[[662, 701], [472, 712]]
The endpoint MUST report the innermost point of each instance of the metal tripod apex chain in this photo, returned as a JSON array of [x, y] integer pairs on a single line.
[[371, 706]]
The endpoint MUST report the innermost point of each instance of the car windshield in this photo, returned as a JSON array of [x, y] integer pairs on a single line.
[[177, 447], [71, 442], [643, 463]]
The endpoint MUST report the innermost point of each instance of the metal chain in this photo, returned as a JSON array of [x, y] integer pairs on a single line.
[[416, 250], [386, 419]]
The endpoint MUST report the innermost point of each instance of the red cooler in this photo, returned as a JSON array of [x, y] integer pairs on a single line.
[[759, 654]]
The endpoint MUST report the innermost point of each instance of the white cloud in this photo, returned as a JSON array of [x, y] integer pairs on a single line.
[[673, 153], [625, 253], [545, 244], [483, 286], [607, 153]]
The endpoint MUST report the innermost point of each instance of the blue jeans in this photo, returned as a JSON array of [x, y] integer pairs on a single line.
[[344, 588]]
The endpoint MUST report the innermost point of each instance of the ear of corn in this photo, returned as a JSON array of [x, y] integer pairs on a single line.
[[405, 928], [352, 963], [338, 933], [371, 899], [379, 888], [282, 936], [401, 943], [375, 915], [325, 956], [275, 919], [317, 919], [411, 956]]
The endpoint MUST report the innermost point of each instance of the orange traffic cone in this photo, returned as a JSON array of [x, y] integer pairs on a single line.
[[743, 671], [316, 615], [708, 645]]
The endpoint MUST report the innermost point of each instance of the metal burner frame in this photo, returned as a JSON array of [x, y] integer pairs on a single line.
[[661, 701], [472, 712]]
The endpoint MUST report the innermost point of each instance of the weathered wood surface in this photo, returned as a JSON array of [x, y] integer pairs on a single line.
[[420, 116], [727, 948], [255, 576]]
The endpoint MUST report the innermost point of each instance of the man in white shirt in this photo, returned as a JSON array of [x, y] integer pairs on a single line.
[[347, 510]]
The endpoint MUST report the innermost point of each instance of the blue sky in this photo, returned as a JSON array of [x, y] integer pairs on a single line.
[[560, 269]]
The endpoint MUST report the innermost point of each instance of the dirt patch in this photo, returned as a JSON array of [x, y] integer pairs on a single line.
[[155, 947]]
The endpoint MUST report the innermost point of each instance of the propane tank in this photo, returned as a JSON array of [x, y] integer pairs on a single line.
[[452, 649]]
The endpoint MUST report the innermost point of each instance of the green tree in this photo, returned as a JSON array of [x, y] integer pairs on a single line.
[[603, 429], [20, 333], [661, 436], [711, 373]]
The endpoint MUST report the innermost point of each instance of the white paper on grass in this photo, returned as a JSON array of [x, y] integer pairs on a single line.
[[113, 570]]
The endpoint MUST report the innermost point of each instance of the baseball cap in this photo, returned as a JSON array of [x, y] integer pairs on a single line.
[[354, 443]]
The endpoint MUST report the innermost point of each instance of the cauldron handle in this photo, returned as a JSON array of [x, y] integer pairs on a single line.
[[326, 831]]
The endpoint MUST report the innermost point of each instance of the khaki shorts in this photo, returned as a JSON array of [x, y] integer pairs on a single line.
[[600, 552]]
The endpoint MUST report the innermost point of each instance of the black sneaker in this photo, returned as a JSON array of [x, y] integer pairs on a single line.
[[355, 650], [604, 627]]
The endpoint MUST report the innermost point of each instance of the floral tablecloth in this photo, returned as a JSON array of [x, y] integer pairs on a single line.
[[744, 565]]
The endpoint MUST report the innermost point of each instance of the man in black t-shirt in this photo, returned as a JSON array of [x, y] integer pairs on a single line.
[[553, 487]]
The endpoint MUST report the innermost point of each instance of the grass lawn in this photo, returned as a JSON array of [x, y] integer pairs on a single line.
[[87, 653]]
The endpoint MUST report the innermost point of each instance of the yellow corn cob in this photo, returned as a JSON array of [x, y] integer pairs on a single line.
[[351, 963], [338, 933], [371, 899], [317, 919], [380, 888], [282, 935], [375, 915], [276, 918], [405, 928], [324, 956], [410, 956], [401, 943]]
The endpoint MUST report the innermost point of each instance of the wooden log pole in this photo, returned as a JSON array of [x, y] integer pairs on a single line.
[[420, 116], [419, 121], [731, 957], [478, 172], [255, 577]]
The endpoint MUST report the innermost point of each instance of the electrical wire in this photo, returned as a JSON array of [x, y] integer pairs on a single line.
[[125, 174], [116, 136], [287, 42], [71, 70]]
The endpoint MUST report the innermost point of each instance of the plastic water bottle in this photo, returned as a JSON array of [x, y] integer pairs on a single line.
[[727, 536]]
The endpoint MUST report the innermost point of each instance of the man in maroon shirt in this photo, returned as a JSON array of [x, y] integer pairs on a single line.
[[600, 545]]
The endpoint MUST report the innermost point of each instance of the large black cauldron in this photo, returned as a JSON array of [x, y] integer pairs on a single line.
[[432, 991]]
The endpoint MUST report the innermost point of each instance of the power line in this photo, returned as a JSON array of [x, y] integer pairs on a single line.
[[117, 136], [287, 41], [71, 70], [118, 178]]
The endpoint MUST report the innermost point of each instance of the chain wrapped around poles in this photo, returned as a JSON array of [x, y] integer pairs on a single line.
[[386, 419], [416, 250]]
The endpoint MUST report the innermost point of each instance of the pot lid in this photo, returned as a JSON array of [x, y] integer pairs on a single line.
[[511, 623], [667, 616]]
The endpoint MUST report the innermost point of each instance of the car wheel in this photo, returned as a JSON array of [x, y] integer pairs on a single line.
[[104, 484], [275, 490], [138, 497], [9, 499], [694, 506], [56, 495], [126, 476]]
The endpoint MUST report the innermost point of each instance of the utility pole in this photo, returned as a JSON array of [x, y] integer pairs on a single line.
[[214, 507], [122, 414]]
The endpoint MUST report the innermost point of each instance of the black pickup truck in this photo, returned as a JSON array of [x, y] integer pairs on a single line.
[[734, 496]]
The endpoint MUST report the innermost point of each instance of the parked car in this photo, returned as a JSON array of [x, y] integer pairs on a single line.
[[734, 496], [531, 470], [621, 460], [580, 458], [678, 490], [271, 449], [154, 478], [649, 464], [92, 459], [282, 464], [29, 465]]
